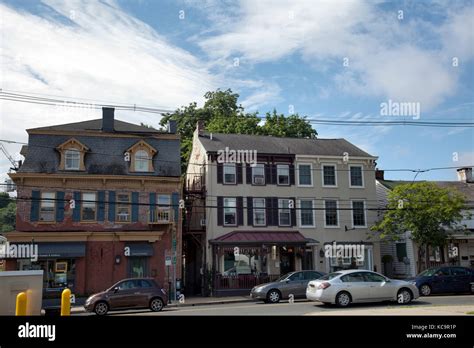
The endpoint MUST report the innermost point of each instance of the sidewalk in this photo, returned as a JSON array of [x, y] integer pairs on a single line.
[[190, 301], [416, 310]]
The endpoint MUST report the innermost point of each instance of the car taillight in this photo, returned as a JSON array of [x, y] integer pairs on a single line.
[[324, 285]]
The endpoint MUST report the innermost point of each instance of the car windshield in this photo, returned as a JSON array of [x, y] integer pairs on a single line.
[[330, 276], [428, 272]]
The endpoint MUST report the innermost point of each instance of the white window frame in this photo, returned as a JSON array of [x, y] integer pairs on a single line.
[[352, 213], [289, 212], [312, 212], [72, 151], [50, 201], [229, 165], [361, 173], [335, 174], [258, 165], [337, 212], [164, 211], [84, 203], [123, 205], [254, 211], [225, 207], [288, 167], [139, 159], [310, 171]]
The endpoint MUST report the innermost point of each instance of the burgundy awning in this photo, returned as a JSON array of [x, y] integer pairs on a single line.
[[261, 237]]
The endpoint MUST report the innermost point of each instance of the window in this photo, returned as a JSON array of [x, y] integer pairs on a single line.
[[142, 161], [356, 178], [259, 212], [401, 251], [230, 211], [283, 174], [229, 173], [353, 278], [164, 210], [458, 271], [374, 277], [47, 206], [358, 213], [258, 174], [306, 213], [305, 175], [298, 276], [312, 275], [123, 207], [329, 175], [72, 159], [331, 213], [284, 215], [88, 209]]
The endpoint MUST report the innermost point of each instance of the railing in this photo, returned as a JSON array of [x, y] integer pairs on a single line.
[[160, 216], [242, 281], [196, 184]]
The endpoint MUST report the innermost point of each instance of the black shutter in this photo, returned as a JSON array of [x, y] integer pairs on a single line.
[[274, 180], [220, 173], [220, 211], [293, 212], [238, 168], [292, 174], [60, 202], [249, 211], [268, 176], [248, 172], [240, 211], [275, 211], [269, 212]]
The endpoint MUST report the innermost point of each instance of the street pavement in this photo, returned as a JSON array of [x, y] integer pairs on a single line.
[[432, 305]]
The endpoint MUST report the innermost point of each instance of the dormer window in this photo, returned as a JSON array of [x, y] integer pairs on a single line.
[[72, 155], [141, 157]]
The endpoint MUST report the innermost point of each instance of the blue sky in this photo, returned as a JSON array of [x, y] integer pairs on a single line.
[[289, 54]]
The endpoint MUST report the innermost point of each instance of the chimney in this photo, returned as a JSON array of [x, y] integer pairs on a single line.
[[379, 174], [108, 119], [200, 127], [465, 174], [172, 127]]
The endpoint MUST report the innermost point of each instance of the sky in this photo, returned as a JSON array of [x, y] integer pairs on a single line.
[[337, 60]]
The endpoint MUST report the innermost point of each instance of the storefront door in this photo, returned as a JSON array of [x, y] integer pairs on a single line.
[[287, 260]]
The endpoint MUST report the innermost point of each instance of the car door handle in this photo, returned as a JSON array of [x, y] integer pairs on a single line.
[[136, 293]]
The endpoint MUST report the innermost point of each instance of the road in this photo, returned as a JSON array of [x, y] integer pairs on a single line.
[[298, 307]]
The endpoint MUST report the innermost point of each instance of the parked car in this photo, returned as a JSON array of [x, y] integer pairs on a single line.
[[126, 294], [352, 286], [439, 280], [293, 283]]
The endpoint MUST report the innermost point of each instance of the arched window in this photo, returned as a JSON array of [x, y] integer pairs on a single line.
[[142, 161]]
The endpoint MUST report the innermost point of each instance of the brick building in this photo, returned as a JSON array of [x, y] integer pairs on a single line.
[[100, 199]]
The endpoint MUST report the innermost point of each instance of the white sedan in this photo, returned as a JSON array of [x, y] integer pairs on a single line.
[[353, 286]]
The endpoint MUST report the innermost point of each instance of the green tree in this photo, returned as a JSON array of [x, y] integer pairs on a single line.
[[221, 113], [431, 213], [7, 213]]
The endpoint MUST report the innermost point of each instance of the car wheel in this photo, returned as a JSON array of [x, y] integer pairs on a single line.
[[404, 296], [273, 296], [343, 299], [101, 308], [425, 290], [156, 304]]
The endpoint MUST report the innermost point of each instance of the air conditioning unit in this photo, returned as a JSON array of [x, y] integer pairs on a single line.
[[259, 180], [203, 222]]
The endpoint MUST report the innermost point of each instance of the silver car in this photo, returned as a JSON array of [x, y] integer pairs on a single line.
[[353, 286], [293, 283]]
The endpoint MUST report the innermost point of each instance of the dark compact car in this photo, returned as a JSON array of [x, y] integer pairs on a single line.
[[439, 280], [126, 294], [293, 283]]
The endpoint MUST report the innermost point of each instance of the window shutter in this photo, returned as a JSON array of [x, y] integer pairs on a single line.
[[274, 174], [269, 210], [240, 211], [268, 175], [292, 174], [152, 206], [76, 212], [135, 206], [220, 173], [293, 212], [35, 205], [175, 203], [249, 211], [248, 172], [60, 206], [101, 206], [275, 211], [238, 168], [220, 211], [112, 206]]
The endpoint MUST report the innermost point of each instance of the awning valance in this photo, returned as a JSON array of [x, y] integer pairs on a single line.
[[140, 249], [261, 237]]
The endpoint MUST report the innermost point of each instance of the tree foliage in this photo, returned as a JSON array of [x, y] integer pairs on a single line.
[[7, 213]]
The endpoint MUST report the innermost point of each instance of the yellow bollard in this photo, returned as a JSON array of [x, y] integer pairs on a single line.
[[66, 302], [21, 304]]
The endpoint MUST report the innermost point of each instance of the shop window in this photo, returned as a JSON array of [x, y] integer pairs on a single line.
[[57, 273], [137, 267]]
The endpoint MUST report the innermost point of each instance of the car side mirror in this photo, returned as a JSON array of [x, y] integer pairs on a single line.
[[116, 289], [387, 280], [287, 281]]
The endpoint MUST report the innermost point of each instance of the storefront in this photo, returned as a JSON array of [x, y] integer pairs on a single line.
[[348, 255], [138, 259]]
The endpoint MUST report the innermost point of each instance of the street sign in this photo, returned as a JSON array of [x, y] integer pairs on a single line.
[[174, 260], [168, 261], [174, 244]]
